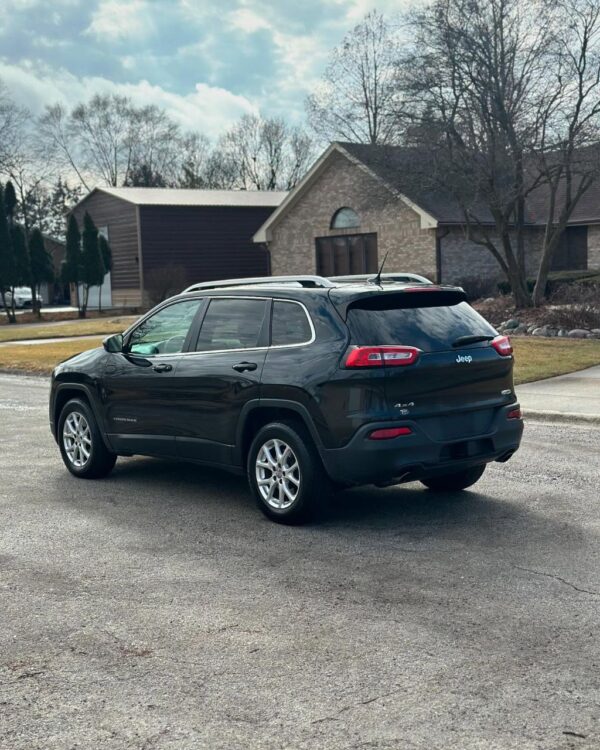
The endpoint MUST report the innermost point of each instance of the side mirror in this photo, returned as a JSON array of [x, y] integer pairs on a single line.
[[113, 343]]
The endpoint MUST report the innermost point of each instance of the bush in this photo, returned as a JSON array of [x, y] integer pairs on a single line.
[[576, 305], [161, 283], [477, 288]]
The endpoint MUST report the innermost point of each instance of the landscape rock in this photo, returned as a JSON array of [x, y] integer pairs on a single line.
[[578, 333], [541, 331], [512, 323]]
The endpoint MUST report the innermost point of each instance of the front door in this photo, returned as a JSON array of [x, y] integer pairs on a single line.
[[138, 386], [347, 254], [222, 375]]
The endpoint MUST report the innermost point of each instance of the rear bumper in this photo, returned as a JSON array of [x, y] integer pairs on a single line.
[[417, 456]]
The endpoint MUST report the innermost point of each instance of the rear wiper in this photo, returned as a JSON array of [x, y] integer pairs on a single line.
[[465, 340]]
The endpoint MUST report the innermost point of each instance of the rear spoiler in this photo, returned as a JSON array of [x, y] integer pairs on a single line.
[[403, 297]]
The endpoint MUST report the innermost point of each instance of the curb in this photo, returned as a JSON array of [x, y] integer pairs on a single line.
[[561, 416]]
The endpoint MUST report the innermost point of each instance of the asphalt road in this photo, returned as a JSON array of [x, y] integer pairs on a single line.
[[158, 609]]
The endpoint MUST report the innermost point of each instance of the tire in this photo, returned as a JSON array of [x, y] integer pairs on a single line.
[[292, 484], [78, 434], [457, 481]]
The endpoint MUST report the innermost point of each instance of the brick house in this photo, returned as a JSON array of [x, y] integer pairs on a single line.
[[351, 209]]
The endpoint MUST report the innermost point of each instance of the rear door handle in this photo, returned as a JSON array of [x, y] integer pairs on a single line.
[[243, 366], [162, 367]]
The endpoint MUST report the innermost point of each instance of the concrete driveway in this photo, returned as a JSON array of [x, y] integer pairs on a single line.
[[158, 610]]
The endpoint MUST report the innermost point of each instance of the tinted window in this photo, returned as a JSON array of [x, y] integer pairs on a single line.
[[232, 324], [165, 331], [431, 328], [289, 325]]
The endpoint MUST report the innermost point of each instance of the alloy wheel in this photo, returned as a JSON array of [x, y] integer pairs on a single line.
[[277, 474], [77, 439]]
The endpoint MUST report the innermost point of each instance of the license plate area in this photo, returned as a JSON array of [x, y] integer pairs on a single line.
[[467, 449]]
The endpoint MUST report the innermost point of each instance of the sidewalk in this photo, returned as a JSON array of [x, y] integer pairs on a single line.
[[573, 397]]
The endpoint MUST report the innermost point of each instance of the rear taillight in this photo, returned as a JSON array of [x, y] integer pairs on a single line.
[[515, 414], [389, 432], [502, 345], [380, 356]]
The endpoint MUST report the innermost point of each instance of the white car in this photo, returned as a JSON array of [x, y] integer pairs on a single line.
[[23, 297]]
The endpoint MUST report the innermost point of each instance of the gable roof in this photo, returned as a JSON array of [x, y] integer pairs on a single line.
[[428, 220], [404, 172], [146, 196]]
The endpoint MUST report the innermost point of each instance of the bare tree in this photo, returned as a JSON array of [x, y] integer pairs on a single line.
[[266, 154], [13, 122], [195, 153], [491, 106], [358, 99], [569, 153]]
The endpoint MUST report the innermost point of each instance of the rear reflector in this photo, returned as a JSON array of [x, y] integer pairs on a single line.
[[428, 288], [502, 345], [389, 432], [515, 414], [379, 356]]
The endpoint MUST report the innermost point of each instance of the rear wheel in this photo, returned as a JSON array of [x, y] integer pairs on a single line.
[[81, 445], [459, 480], [285, 473]]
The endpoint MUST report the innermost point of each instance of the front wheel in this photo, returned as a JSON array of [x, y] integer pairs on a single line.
[[81, 445], [286, 474], [459, 480]]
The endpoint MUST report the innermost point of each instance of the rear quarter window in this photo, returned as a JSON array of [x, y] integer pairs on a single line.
[[289, 324], [430, 327]]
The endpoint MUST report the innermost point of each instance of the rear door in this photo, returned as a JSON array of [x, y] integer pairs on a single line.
[[220, 376], [451, 377]]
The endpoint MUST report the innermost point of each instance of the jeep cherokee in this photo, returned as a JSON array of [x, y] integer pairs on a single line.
[[303, 383]]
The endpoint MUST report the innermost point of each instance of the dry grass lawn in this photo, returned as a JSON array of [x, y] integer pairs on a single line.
[[535, 358], [540, 358], [41, 358], [72, 328]]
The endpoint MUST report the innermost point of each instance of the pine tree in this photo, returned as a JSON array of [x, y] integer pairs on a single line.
[[41, 266], [10, 202], [91, 259], [71, 268], [106, 255], [7, 260], [21, 256]]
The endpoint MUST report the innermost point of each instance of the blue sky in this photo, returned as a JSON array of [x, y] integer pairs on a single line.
[[206, 62]]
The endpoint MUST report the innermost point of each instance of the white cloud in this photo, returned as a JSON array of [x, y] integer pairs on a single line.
[[208, 109], [119, 19], [247, 20]]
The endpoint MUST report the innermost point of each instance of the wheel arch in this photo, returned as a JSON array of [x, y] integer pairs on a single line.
[[67, 391], [258, 413]]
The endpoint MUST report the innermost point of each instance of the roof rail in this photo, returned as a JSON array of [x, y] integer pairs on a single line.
[[303, 281], [388, 277]]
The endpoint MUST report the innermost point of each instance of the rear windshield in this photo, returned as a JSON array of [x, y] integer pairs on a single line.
[[428, 326]]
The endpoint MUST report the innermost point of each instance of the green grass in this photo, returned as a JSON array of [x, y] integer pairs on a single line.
[[90, 327]]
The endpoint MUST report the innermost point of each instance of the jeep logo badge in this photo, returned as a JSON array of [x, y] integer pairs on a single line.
[[467, 358]]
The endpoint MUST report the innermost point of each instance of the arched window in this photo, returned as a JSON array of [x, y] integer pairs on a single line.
[[345, 218]]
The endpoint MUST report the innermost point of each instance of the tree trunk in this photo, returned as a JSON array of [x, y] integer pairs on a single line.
[[9, 314], [35, 306]]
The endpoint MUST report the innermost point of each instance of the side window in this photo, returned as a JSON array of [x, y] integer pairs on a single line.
[[289, 324], [165, 331], [232, 324]]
